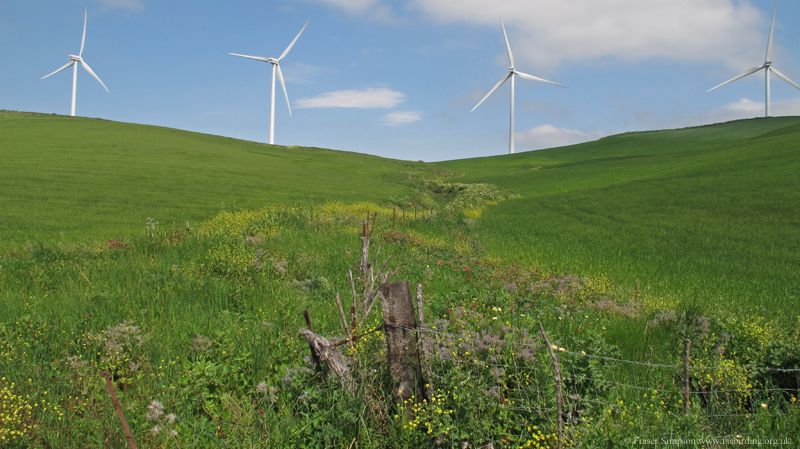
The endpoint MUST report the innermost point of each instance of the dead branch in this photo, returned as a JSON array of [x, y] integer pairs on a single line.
[[333, 359]]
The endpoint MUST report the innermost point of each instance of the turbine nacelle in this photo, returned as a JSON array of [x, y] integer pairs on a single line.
[[75, 58]]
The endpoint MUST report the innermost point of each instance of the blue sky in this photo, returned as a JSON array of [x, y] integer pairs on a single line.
[[399, 78]]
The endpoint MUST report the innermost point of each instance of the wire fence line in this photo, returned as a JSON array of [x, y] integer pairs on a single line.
[[612, 359], [590, 390], [423, 329]]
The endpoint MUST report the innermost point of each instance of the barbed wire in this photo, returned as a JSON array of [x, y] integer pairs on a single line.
[[613, 359]]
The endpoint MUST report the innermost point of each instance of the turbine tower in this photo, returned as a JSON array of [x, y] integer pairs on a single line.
[[73, 60], [276, 67], [511, 72], [767, 66]]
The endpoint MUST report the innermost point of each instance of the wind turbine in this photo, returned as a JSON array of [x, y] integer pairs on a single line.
[[73, 60], [511, 72], [767, 68], [276, 67]]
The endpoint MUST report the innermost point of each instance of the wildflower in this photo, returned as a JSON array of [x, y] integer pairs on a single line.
[[262, 387], [170, 418], [763, 405]]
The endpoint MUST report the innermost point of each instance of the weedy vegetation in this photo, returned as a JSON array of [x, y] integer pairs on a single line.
[[197, 324]]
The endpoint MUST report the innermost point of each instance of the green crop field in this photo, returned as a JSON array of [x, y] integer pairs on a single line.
[[622, 249], [708, 215], [70, 179]]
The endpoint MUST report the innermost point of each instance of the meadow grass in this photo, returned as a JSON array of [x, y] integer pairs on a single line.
[[704, 215], [72, 180], [198, 327], [199, 333]]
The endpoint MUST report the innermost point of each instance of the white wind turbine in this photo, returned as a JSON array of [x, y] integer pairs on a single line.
[[276, 67], [511, 72], [73, 62], [767, 68]]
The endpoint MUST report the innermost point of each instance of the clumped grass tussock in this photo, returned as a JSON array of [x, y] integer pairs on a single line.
[[197, 327]]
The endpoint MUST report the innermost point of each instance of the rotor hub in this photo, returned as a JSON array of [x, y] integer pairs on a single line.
[[75, 58]]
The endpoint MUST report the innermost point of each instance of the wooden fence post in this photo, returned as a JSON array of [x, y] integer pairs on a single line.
[[687, 345], [559, 397], [399, 322]]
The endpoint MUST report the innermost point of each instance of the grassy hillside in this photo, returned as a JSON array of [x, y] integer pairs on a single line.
[[71, 179], [708, 214], [198, 331]]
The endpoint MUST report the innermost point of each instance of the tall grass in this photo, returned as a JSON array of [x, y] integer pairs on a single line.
[[199, 333]]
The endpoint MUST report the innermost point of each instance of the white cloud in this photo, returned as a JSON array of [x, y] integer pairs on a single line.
[[301, 73], [370, 8], [356, 98], [400, 118], [548, 136], [547, 33], [130, 5], [747, 108]]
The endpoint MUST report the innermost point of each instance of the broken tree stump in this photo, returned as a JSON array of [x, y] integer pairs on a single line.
[[401, 324], [328, 354]]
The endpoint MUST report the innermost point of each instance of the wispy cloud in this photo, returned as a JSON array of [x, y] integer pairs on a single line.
[[400, 118], [370, 97], [372, 9], [301, 73], [130, 5], [548, 136]]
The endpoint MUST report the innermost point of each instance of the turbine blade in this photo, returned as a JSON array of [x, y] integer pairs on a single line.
[[536, 78], [769, 43], [494, 89], [508, 46], [69, 64], [257, 58], [283, 85], [750, 71], [89, 69], [83, 39], [783, 77], [286, 52]]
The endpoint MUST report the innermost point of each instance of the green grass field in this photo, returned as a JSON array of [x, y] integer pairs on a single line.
[[708, 215], [71, 180], [622, 248]]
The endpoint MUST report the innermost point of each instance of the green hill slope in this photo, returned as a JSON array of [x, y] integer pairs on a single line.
[[69, 179], [708, 214]]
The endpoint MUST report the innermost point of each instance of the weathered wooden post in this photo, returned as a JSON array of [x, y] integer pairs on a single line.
[[325, 351], [402, 354]]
